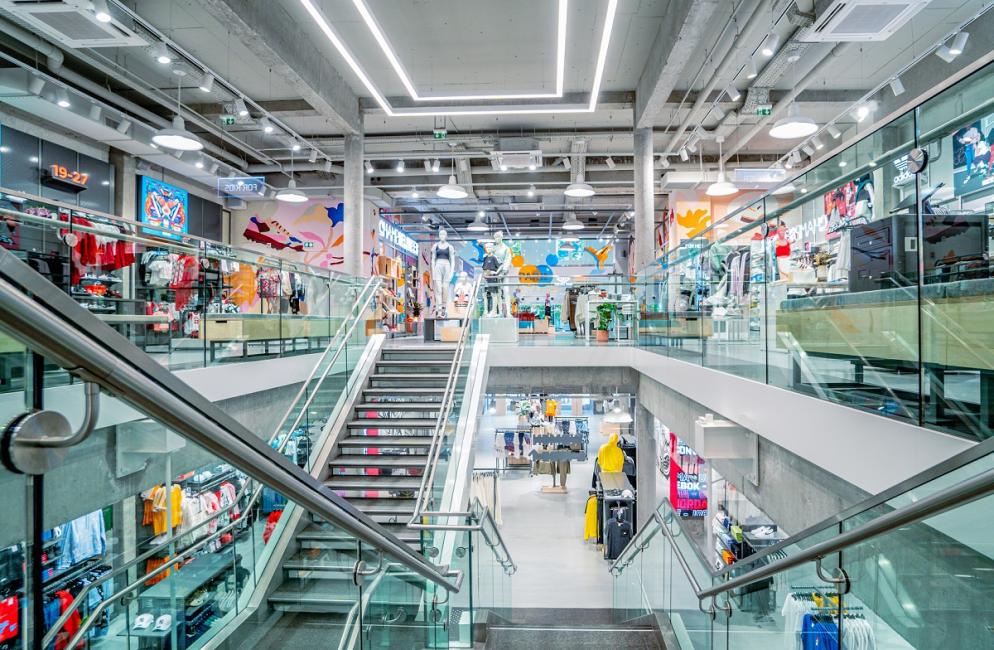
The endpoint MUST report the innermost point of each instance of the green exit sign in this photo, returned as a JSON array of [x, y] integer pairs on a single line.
[[764, 109], [227, 120], [440, 134]]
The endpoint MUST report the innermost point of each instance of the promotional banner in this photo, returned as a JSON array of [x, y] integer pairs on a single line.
[[972, 160], [165, 207], [688, 480]]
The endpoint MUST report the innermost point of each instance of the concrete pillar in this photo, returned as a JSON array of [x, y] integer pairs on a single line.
[[645, 248], [125, 190], [354, 209], [645, 465]]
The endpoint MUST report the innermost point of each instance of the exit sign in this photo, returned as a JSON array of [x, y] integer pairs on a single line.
[[764, 109], [227, 120], [440, 134]]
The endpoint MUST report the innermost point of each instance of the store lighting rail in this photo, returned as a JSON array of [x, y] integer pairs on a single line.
[[388, 51], [339, 44]]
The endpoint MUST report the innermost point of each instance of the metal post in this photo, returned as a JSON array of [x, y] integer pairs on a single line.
[[36, 488], [645, 248], [354, 207]]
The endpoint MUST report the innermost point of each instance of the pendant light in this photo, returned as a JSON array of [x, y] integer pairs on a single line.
[[452, 189], [722, 186], [793, 126], [176, 136], [290, 194], [572, 223], [478, 224]]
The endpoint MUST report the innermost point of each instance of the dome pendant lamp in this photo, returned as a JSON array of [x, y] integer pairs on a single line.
[[793, 126], [722, 186], [452, 189]]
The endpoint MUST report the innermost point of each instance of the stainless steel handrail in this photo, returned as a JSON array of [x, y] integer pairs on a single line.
[[49, 321], [478, 526], [445, 409], [360, 303], [952, 497]]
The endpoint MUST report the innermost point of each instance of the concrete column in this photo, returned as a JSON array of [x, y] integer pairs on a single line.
[[645, 465], [354, 208], [645, 249], [125, 190]]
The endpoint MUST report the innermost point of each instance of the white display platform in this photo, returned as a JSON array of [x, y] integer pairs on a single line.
[[501, 330]]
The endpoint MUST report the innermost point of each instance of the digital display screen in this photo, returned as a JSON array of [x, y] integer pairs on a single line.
[[688, 480], [164, 207]]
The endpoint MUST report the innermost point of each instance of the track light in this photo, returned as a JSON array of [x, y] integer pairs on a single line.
[[794, 157], [770, 44], [427, 164], [435, 166], [369, 167], [213, 168], [36, 85], [241, 110], [124, 126], [531, 190], [959, 43], [816, 141], [95, 112], [414, 193], [833, 131], [684, 156], [313, 157], [62, 98], [267, 126], [200, 163], [327, 167], [400, 167], [897, 86], [532, 167], [206, 83], [861, 112], [161, 53], [609, 161], [100, 11], [751, 71], [292, 144], [945, 54], [719, 112], [733, 93], [692, 145], [665, 162], [808, 149], [566, 163]]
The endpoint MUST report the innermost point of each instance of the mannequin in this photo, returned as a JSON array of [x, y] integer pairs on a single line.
[[442, 258], [503, 254], [461, 292], [491, 290]]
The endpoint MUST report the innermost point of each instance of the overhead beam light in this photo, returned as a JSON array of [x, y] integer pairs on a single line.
[[959, 43], [369, 167], [435, 166], [267, 126], [400, 166], [770, 44], [241, 110], [733, 93], [609, 161], [427, 164], [160, 52], [62, 98], [897, 86], [206, 83], [751, 71], [100, 11], [325, 26], [833, 131]]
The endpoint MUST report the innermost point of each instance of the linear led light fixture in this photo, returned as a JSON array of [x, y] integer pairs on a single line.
[[381, 40], [322, 22]]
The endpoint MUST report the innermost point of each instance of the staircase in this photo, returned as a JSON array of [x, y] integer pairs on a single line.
[[377, 466], [571, 629]]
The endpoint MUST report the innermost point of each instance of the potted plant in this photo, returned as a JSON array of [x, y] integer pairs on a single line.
[[605, 312]]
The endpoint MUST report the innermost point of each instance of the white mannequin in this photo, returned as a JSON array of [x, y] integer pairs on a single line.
[[491, 289], [442, 261], [463, 289], [503, 254]]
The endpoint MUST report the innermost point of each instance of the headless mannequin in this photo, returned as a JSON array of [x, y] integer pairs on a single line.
[[503, 254], [442, 258]]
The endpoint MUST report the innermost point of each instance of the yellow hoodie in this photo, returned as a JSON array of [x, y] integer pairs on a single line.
[[610, 456]]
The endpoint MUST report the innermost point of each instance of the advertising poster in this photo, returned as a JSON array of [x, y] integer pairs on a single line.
[[688, 480], [164, 207], [972, 160]]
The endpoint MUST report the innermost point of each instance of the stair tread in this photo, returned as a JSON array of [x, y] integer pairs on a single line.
[[398, 406], [414, 362], [384, 506], [380, 390], [342, 482], [390, 423], [378, 460], [410, 375], [386, 441], [398, 530]]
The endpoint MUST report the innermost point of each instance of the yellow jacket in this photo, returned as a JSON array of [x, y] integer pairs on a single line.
[[610, 456], [590, 518]]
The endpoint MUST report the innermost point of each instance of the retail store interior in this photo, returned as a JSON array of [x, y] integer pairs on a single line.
[[658, 324]]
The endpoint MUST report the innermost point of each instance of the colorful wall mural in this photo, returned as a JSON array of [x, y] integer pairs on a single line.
[[312, 233], [541, 262]]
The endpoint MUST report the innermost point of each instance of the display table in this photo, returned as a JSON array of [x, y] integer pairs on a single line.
[[223, 329]]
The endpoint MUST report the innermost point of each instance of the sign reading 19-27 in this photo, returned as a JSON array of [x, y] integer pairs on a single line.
[[164, 207]]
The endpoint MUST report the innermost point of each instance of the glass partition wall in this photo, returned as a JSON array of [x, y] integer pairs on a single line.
[[859, 281]]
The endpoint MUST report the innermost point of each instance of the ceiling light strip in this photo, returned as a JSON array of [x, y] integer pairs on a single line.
[[612, 8], [381, 40]]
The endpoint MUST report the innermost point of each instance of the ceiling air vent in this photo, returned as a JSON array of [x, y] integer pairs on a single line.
[[861, 20], [71, 23]]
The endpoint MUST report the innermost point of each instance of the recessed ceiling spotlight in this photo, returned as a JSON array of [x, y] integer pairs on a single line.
[[294, 145], [770, 44], [206, 83], [369, 167], [100, 11], [160, 52], [959, 43], [400, 167]]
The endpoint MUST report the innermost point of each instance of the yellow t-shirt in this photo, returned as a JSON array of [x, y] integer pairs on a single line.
[[551, 406]]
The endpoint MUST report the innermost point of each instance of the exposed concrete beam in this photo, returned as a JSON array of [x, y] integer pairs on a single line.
[[270, 31], [275, 107], [620, 99], [686, 25]]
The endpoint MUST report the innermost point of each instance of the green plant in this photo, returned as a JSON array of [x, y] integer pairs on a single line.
[[605, 311]]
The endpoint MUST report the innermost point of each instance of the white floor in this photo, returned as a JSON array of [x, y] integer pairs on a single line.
[[544, 532]]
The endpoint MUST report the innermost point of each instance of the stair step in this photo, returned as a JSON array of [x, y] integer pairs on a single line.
[[434, 376], [385, 507], [321, 533], [377, 460], [382, 407], [367, 442], [392, 423], [391, 392], [302, 595], [384, 483], [417, 363]]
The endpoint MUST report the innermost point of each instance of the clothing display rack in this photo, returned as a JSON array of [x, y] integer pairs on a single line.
[[555, 446]]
